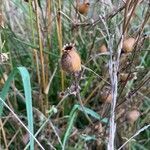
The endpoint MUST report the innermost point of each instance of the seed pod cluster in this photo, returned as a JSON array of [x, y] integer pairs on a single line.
[[70, 60]]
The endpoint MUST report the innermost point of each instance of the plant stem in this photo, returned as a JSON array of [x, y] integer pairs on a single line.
[[59, 34], [40, 45]]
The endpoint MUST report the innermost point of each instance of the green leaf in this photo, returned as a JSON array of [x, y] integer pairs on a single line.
[[72, 117], [87, 137], [93, 114], [28, 97]]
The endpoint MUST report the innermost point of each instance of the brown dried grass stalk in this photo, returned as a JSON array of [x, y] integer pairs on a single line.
[[59, 34]]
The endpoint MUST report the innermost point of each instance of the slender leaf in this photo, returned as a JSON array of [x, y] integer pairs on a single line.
[[72, 117], [27, 89]]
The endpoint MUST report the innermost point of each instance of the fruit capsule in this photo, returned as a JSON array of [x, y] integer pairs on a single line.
[[103, 48], [70, 60], [133, 115], [128, 45], [83, 8]]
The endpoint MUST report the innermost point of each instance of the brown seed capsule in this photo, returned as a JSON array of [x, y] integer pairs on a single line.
[[133, 115], [103, 48], [1, 20], [70, 60], [106, 95], [107, 98], [83, 8], [2, 80], [128, 45], [126, 76], [98, 128]]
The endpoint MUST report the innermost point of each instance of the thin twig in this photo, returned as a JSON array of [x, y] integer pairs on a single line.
[[79, 98], [3, 133], [136, 134], [13, 138], [21, 123]]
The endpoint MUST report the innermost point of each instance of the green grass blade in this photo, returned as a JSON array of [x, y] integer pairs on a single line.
[[72, 117], [27, 89], [93, 114]]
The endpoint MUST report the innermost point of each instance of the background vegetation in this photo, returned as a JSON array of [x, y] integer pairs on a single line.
[[32, 34]]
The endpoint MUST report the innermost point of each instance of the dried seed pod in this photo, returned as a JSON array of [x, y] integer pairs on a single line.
[[103, 48], [133, 115], [124, 59], [2, 80], [83, 8], [107, 98], [106, 95], [126, 76], [70, 60], [98, 128], [128, 45], [1, 20]]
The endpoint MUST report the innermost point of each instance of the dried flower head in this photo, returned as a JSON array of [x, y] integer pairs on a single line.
[[128, 45], [83, 8], [106, 95], [103, 48], [133, 115], [70, 60]]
